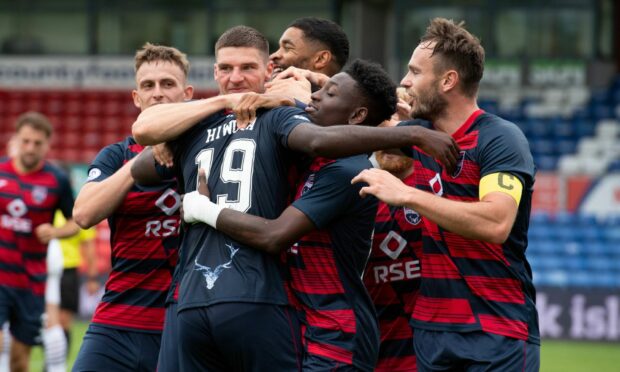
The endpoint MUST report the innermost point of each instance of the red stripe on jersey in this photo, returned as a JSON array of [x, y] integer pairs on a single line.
[[406, 363], [467, 124], [336, 320], [331, 352], [152, 281], [15, 280], [443, 310], [320, 274], [468, 141], [395, 329], [473, 249], [119, 315], [504, 326], [439, 266], [140, 250], [135, 148], [10, 256], [497, 289]]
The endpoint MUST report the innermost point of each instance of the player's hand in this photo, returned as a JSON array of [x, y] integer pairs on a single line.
[[92, 286], [403, 110], [440, 146], [299, 89], [201, 189], [295, 73], [245, 109], [163, 154], [45, 232], [383, 185]]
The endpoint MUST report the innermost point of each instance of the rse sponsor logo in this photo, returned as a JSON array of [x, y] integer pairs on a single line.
[[397, 271], [162, 229], [22, 225]]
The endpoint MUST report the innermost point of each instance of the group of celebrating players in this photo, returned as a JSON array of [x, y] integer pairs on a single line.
[[250, 231]]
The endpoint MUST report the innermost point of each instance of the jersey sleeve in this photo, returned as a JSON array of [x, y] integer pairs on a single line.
[[284, 120], [65, 202], [107, 162], [504, 148], [329, 194], [408, 151]]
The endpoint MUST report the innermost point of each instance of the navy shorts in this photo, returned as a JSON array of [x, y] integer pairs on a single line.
[[169, 352], [23, 310], [108, 349], [474, 351], [70, 290], [239, 337]]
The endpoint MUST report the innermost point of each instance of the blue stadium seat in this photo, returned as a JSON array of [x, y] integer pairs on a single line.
[[538, 231], [566, 146], [591, 233], [574, 249], [539, 129], [611, 235], [546, 162], [574, 263], [583, 127], [565, 218], [599, 265], [605, 280], [566, 233], [539, 217], [563, 129], [543, 147], [581, 279]]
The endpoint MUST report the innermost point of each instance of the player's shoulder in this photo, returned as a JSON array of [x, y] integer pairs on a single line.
[[284, 112], [493, 125], [56, 171], [351, 165]]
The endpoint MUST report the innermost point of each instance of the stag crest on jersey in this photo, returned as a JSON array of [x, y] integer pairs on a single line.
[[211, 275]]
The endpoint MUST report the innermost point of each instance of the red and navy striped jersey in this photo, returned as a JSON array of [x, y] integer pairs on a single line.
[[326, 266], [392, 278], [144, 235], [247, 171], [27, 201], [470, 284]]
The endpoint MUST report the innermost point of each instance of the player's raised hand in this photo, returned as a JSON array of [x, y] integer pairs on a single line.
[[295, 73], [383, 185], [163, 154], [299, 89], [440, 146], [245, 109]]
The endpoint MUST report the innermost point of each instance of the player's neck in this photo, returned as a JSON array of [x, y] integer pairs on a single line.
[[455, 115]]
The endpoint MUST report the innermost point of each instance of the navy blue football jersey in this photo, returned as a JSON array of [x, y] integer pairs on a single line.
[[246, 171], [326, 266]]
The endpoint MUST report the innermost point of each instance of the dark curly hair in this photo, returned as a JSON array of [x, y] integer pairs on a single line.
[[378, 90], [328, 33]]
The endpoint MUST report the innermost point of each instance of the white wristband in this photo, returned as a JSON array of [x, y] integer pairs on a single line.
[[198, 208]]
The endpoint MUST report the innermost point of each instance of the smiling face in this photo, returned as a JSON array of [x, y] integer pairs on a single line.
[[336, 102], [241, 70], [423, 84], [160, 82], [295, 50]]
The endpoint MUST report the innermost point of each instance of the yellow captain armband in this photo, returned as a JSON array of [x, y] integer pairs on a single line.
[[501, 182]]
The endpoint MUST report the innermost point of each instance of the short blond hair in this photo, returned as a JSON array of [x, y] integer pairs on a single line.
[[151, 52]]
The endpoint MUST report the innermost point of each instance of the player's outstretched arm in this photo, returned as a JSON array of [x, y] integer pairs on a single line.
[[167, 121], [97, 200], [270, 236], [490, 219], [346, 140]]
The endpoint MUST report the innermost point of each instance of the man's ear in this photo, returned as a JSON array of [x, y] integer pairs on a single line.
[[321, 60], [358, 115], [136, 98], [449, 81]]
